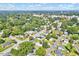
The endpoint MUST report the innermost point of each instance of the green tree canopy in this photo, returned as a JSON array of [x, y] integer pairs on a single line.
[[41, 51], [24, 49]]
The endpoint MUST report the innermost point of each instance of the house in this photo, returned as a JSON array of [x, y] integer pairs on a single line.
[[42, 36], [31, 38], [66, 33], [49, 54], [19, 36], [6, 44], [11, 37], [30, 54], [29, 33], [65, 41], [60, 48], [51, 39], [38, 44], [37, 35], [7, 54], [58, 52]]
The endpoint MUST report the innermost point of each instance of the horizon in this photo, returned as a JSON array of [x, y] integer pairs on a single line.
[[38, 6]]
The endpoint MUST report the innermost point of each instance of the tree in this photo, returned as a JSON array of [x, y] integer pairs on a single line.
[[14, 52], [74, 36], [45, 45], [6, 32], [24, 49], [41, 51], [71, 49], [72, 29], [74, 20], [2, 41], [1, 49], [1, 27], [48, 36], [69, 46], [54, 34], [16, 31]]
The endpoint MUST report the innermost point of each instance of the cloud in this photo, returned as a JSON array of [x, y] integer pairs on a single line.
[[7, 7], [38, 6]]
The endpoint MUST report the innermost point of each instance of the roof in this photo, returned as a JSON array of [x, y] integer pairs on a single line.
[[6, 44]]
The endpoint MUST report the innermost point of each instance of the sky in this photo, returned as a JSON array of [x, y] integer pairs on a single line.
[[39, 6]]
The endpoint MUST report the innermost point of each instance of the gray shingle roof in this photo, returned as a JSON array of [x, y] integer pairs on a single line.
[[6, 44]]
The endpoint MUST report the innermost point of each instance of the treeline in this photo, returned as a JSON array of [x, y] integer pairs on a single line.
[[15, 24]]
